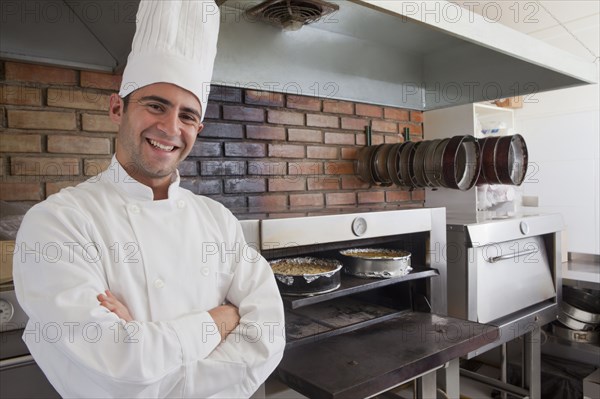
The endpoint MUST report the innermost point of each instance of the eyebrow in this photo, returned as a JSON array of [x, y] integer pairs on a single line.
[[170, 104]]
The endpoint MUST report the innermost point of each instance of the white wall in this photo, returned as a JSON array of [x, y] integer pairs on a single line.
[[561, 129]]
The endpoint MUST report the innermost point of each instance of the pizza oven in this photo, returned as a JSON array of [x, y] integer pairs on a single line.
[[370, 334]]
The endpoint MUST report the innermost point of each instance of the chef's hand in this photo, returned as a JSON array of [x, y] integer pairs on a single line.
[[226, 317], [114, 305]]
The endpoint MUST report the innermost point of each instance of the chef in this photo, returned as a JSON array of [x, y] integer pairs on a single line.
[[134, 286]]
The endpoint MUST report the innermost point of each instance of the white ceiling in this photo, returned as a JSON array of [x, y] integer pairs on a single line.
[[571, 25]]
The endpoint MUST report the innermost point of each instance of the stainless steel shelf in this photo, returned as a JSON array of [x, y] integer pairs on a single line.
[[315, 323], [582, 270], [353, 285]]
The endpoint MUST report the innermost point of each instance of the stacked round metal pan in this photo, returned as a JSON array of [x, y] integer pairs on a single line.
[[459, 162], [504, 160], [579, 316]]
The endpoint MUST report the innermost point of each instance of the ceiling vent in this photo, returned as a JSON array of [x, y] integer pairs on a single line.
[[292, 14]]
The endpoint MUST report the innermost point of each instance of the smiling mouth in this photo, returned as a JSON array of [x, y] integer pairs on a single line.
[[157, 145]]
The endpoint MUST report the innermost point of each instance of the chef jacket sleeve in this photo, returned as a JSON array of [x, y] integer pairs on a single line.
[[85, 350], [258, 342]]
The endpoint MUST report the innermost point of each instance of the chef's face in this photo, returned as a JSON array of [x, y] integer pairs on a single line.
[[156, 131]]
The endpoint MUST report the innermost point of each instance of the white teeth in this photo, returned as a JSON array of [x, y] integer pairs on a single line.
[[162, 147]]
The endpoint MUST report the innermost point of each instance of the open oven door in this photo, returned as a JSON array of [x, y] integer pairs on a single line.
[[374, 359]]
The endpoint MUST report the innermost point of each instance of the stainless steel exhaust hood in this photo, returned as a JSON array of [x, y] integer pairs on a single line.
[[418, 55]]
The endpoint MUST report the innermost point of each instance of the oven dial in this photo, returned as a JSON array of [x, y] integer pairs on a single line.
[[6, 311], [359, 226]]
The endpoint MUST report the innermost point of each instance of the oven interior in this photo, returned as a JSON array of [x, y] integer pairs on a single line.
[[359, 302]]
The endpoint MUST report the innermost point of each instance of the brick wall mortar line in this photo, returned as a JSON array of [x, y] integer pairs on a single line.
[[237, 99]]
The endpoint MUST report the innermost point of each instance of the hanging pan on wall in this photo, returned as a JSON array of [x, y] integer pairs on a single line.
[[459, 162]]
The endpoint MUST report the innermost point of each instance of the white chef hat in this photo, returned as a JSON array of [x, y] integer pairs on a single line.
[[175, 42]]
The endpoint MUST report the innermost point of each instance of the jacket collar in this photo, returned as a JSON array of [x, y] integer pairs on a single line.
[[117, 175]]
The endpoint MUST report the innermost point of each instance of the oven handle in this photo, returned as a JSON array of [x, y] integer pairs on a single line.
[[511, 256], [16, 362]]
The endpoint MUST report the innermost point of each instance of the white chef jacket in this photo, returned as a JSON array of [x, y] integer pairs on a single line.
[[169, 262]]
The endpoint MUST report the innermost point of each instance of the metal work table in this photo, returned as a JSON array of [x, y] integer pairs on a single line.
[[377, 358]]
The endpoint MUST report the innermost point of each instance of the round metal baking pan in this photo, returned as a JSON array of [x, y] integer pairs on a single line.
[[411, 165], [308, 283], [461, 162], [431, 165], [392, 169], [580, 315], [487, 174], [407, 154], [581, 305], [398, 178], [376, 262], [363, 164], [372, 164], [572, 323], [468, 163], [511, 159], [588, 300], [438, 166], [588, 337], [381, 162], [376, 164], [393, 164], [419, 163]]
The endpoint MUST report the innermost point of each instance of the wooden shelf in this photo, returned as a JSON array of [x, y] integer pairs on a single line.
[[352, 285]]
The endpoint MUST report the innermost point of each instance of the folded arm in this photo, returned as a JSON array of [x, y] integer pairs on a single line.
[[199, 354], [226, 317]]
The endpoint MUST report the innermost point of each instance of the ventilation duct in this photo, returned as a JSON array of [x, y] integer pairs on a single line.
[[291, 15]]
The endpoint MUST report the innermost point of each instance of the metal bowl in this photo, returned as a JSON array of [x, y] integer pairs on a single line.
[[308, 283], [376, 262]]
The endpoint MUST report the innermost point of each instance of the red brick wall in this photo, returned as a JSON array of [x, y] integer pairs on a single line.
[[257, 149]]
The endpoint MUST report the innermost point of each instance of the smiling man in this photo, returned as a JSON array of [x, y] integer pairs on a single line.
[[156, 133], [134, 286]]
